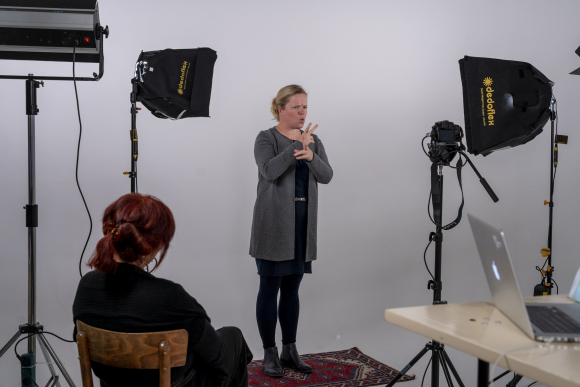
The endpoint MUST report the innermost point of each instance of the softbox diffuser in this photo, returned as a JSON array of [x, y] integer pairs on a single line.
[[175, 83], [506, 103]]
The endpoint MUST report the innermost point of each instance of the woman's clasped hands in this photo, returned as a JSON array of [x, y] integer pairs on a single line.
[[306, 138]]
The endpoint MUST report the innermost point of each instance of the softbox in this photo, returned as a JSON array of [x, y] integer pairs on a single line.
[[175, 84], [577, 71], [506, 103]]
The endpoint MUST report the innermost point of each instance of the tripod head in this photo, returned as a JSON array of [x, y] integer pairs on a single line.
[[446, 143]]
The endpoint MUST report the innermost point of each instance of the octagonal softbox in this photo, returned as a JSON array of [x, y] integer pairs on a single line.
[[175, 84], [506, 103]]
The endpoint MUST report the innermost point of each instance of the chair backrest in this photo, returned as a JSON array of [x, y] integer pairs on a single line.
[[153, 350]]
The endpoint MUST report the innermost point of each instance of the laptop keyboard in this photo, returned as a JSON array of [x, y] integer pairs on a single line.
[[552, 320]]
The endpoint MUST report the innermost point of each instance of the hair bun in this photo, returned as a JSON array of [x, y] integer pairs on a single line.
[[129, 243]]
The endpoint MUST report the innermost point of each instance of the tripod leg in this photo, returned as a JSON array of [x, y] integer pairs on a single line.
[[452, 368], [482, 373], [49, 364], [408, 366], [514, 382], [56, 360], [9, 343], [435, 366], [445, 368]]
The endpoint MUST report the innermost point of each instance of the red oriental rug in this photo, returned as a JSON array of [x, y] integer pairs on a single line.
[[348, 368]]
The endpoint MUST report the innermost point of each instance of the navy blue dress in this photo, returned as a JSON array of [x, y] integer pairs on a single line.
[[298, 265]]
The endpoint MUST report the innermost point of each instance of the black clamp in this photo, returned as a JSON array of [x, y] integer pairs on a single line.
[[31, 215], [435, 285], [436, 237], [28, 328]]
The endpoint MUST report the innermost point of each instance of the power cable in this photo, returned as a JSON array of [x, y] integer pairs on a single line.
[[77, 165], [425, 373]]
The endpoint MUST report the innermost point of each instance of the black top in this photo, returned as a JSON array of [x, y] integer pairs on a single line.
[[301, 179], [133, 301]]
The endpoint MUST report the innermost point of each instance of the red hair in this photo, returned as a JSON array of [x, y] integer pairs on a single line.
[[133, 226]]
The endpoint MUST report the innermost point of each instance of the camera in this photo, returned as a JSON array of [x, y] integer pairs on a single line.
[[446, 132], [446, 141]]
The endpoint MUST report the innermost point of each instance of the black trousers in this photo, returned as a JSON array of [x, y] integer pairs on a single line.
[[237, 357], [287, 311]]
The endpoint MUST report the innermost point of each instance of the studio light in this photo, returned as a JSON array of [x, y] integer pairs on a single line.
[[46, 30], [506, 103], [172, 84]]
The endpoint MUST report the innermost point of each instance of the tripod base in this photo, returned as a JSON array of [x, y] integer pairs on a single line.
[[28, 361], [439, 357]]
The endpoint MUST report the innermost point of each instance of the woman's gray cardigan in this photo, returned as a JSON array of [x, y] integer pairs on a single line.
[[273, 225]]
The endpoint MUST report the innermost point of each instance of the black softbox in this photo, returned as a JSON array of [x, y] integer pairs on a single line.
[[506, 103], [175, 83]]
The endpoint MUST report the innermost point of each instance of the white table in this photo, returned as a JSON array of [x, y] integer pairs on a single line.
[[481, 330]]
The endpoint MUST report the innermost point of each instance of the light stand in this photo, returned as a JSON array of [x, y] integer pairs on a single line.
[[545, 287], [442, 150], [33, 328], [134, 138]]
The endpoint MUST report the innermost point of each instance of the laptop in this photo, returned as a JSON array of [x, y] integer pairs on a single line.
[[540, 321]]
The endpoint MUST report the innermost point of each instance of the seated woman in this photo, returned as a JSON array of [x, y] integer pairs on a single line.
[[120, 295]]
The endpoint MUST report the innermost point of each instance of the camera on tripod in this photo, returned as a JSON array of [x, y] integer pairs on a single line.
[[446, 142]]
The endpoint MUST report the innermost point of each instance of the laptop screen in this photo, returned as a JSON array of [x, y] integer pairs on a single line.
[[500, 273]]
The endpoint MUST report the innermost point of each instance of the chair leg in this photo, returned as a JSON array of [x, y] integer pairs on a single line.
[[85, 360], [164, 364]]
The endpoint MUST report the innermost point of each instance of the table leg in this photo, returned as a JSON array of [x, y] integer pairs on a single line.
[[482, 373]]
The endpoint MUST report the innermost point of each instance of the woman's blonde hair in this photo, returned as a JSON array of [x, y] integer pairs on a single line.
[[282, 98]]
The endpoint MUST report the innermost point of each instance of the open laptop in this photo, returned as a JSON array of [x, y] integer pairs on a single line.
[[540, 321]]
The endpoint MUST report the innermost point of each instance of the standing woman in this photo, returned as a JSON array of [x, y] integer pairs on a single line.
[[291, 163]]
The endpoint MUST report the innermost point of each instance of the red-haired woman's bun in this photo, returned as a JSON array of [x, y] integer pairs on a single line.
[[129, 243], [133, 226]]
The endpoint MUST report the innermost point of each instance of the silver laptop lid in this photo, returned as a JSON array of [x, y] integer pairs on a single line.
[[500, 273]]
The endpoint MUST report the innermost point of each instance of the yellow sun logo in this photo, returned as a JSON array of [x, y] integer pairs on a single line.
[[487, 81]]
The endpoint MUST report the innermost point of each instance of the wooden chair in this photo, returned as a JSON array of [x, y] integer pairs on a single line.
[[155, 350]]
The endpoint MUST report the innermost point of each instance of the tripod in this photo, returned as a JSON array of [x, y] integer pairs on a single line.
[[443, 148], [33, 328], [439, 357]]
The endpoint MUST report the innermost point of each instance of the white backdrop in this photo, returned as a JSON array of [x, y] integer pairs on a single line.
[[379, 74]]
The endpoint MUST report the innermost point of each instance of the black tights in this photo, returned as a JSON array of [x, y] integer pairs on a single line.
[[288, 308]]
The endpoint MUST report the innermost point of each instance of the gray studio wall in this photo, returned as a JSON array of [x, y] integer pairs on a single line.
[[379, 74]]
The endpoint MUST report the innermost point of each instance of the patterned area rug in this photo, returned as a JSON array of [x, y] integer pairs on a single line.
[[348, 368]]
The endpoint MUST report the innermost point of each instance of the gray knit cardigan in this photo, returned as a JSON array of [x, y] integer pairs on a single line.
[[273, 225]]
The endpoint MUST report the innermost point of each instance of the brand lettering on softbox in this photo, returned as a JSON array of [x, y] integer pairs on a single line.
[[487, 101], [183, 77]]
